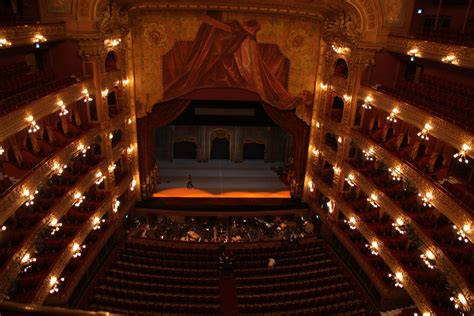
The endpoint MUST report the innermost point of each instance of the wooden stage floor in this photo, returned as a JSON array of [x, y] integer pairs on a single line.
[[220, 179]]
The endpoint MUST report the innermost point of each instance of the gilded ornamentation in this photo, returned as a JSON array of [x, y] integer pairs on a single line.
[[341, 30], [393, 11], [155, 34], [115, 22]]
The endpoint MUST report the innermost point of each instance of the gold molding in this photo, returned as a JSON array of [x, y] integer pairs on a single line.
[[23, 34]]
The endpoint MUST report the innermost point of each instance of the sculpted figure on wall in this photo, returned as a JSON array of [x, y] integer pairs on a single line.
[[114, 22], [341, 30]]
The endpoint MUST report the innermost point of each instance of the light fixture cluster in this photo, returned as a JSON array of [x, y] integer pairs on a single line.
[[1, 150], [315, 152], [58, 168], [351, 222], [39, 38], [459, 301], [372, 199], [450, 59], [428, 258], [462, 232], [34, 127], [62, 106], [77, 250], [133, 185], [400, 226], [347, 98], [115, 205], [55, 226], [393, 115], [340, 49], [369, 154], [78, 199], [330, 206], [112, 42], [395, 173], [462, 154], [311, 186], [373, 247], [104, 93], [323, 86], [112, 167], [83, 149], [426, 199], [96, 221], [99, 177], [111, 136], [87, 97], [54, 284], [26, 262], [414, 52], [397, 278], [30, 195], [4, 42], [350, 179], [337, 169], [366, 105], [423, 134], [125, 82], [130, 149]]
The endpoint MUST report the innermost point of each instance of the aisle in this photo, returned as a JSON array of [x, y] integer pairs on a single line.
[[228, 296]]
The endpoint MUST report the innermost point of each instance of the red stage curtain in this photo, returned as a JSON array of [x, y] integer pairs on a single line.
[[226, 54]]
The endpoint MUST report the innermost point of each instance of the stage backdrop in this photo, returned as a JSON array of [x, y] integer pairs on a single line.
[[179, 51]]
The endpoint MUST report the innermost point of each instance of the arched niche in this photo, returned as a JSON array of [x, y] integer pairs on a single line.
[[341, 69], [220, 144], [337, 109], [254, 149], [185, 148], [111, 61]]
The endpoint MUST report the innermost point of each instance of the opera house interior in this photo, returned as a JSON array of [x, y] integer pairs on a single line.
[[250, 157]]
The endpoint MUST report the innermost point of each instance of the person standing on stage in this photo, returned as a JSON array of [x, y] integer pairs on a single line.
[[189, 182]]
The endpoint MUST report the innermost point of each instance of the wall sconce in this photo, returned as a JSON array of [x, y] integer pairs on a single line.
[[96, 223], [39, 38], [115, 206], [450, 59], [111, 136], [30, 196], [3, 228], [61, 105], [339, 140], [337, 170], [1, 150], [372, 199], [369, 154], [340, 49], [351, 222], [330, 206], [318, 125], [426, 199], [323, 86], [104, 93], [423, 134], [33, 126], [459, 301], [79, 198], [130, 149], [4, 42], [99, 177], [350, 179], [392, 117], [77, 249], [462, 154], [462, 232], [395, 173], [428, 258], [133, 184], [58, 169], [55, 225], [26, 262], [400, 226], [397, 278], [373, 247], [112, 167], [125, 82], [112, 42], [414, 52], [54, 284], [87, 98], [83, 149], [347, 98], [315, 152], [368, 100], [311, 186]]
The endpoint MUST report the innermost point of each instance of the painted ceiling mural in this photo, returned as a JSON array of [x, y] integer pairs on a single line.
[[274, 56]]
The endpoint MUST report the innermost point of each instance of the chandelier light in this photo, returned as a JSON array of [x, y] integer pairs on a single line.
[[315, 152], [1, 150], [3, 228], [62, 107], [369, 154], [392, 117], [426, 199], [39, 38], [129, 121], [397, 278], [340, 49], [462, 154], [395, 173], [459, 302], [26, 262], [367, 103], [104, 93], [347, 98], [125, 82], [428, 258], [133, 185], [33, 128], [30, 195], [337, 170], [373, 247], [130, 149], [462, 232], [400, 226], [414, 52], [330, 206], [311, 186], [77, 249], [115, 206], [99, 177], [4, 42], [372, 199], [450, 59], [112, 42], [96, 221], [78, 199], [55, 225], [423, 134], [54, 284], [112, 167], [350, 179], [86, 95], [323, 86], [83, 149], [351, 222], [58, 168], [111, 136]]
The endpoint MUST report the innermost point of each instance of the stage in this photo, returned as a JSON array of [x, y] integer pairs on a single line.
[[220, 179]]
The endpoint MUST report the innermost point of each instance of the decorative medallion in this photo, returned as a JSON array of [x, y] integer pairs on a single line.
[[155, 34]]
